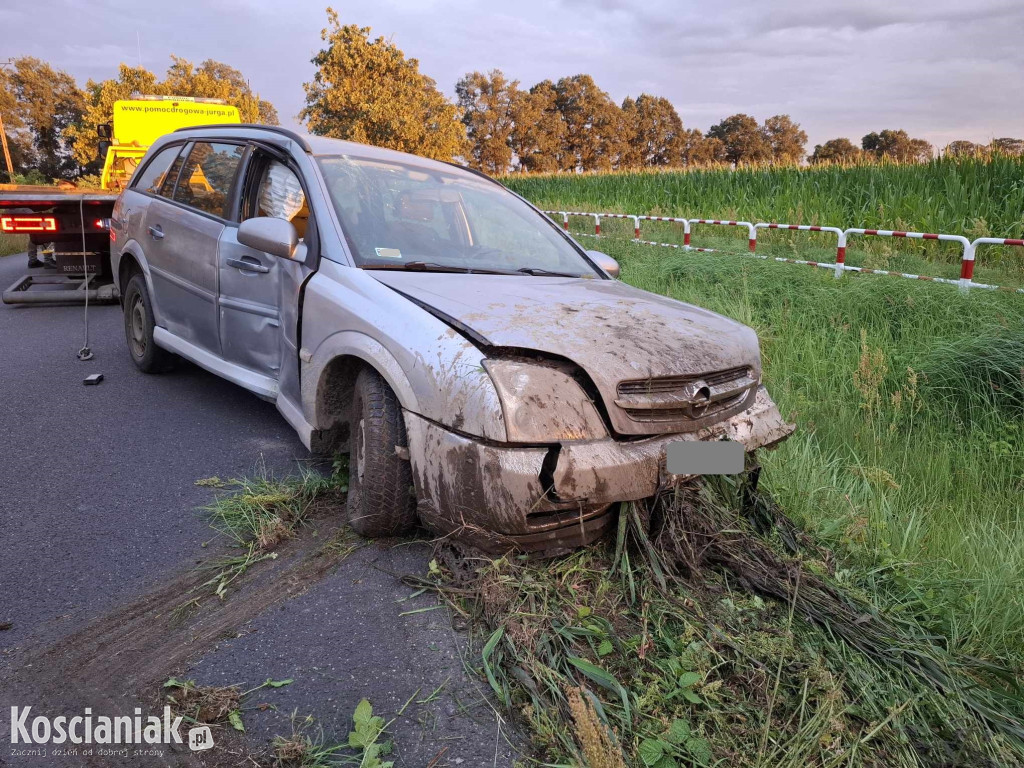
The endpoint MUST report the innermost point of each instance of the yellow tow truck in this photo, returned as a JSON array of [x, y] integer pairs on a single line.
[[69, 223]]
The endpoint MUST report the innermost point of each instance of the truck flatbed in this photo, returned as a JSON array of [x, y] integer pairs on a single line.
[[34, 196], [67, 217]]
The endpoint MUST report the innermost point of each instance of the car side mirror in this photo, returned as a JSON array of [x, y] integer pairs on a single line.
[[104, 131], [103, 147], [270, 235], [605, 262]]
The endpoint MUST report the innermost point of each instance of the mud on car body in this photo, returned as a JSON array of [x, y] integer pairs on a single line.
[[487, 375]]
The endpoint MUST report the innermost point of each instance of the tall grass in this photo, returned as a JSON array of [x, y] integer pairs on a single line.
[[12, 244], [972, 197], [954, 196], [909, 456]]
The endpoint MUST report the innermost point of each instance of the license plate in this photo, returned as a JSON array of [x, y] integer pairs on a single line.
[[684, 458]]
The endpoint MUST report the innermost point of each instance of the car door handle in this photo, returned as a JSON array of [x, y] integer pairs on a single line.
[[248, 266], [156, 233]]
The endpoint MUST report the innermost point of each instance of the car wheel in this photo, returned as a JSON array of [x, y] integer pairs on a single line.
[[138, 329], [380, 499]]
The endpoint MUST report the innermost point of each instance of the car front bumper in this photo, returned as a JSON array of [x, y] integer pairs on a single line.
[[500, 497]]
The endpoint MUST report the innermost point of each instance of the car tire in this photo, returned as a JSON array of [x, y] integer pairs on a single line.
[[138, 329], [380, 501]]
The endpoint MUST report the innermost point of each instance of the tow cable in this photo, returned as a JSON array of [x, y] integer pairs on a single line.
[[84, 353]]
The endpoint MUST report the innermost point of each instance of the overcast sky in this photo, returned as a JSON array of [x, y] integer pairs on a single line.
[[941, 69]]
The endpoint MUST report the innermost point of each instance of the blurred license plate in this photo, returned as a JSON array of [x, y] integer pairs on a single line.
[[699, 457]]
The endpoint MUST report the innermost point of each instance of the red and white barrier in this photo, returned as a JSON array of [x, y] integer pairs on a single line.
[[966, 258], [566, 214], [965, 281], [684, 222], [751, 232], [990, 241], [840, 240], [635, 219]]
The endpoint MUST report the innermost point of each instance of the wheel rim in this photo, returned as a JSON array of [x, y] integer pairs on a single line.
[[137, 327]]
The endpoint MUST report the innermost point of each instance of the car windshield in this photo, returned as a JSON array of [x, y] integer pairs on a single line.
[[402, 216]]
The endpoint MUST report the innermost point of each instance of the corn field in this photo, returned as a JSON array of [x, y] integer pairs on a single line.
[[974, 197]]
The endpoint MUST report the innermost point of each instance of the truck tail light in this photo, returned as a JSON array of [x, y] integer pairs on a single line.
[[28, 224]]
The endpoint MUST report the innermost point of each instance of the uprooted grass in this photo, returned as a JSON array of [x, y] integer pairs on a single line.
[[212, 704], [259, 513], [722, 638], [307, 747]]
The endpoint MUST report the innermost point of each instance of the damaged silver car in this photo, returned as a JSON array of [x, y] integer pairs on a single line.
[[488, 376]]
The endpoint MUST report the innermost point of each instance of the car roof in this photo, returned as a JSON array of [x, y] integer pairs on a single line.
[[314, 145]]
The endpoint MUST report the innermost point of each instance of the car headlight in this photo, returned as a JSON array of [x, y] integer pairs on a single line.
[[543, 403]]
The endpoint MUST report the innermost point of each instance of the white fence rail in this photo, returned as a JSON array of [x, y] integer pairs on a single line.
[[965, 282]]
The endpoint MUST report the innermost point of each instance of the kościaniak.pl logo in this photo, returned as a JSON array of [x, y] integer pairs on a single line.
[[103, 730]]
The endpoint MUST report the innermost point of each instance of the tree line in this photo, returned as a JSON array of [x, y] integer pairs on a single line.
[[573, 125], [366, 89]]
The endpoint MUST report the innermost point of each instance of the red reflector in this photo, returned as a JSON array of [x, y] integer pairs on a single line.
[[28, 224]]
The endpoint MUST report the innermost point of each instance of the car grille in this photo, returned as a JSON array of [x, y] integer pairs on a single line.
[[685, 398]]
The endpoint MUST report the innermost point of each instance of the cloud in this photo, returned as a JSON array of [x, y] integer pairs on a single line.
[[943, 70]]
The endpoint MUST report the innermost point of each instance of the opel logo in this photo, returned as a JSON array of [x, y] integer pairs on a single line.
[[699, 397]]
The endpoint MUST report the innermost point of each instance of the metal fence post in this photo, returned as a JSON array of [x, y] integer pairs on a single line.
[[967, 268], [840, 255]]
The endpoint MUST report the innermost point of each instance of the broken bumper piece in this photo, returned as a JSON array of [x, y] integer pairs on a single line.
[[501, 497]]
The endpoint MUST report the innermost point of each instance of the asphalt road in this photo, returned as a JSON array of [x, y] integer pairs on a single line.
[[99, 508], [99, 482]]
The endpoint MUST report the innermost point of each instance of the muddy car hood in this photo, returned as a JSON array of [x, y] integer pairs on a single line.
[[611, 330]]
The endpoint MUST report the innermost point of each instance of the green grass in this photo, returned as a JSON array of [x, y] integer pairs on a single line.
[[909, 453], [10, 244], [909, 456]]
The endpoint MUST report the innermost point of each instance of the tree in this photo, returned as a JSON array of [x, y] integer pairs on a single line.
[[656, 131], [488, 103], [897, 145], [538, 132], [367, 90], [594, 124], [698, 150], [632, 154], [19, 142], [39, 106], [216, 80], [836, 151], [743, 140], [963, 148], [211, 80], [785, 139], [921, 151], [1008, 146], [100, 97]]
